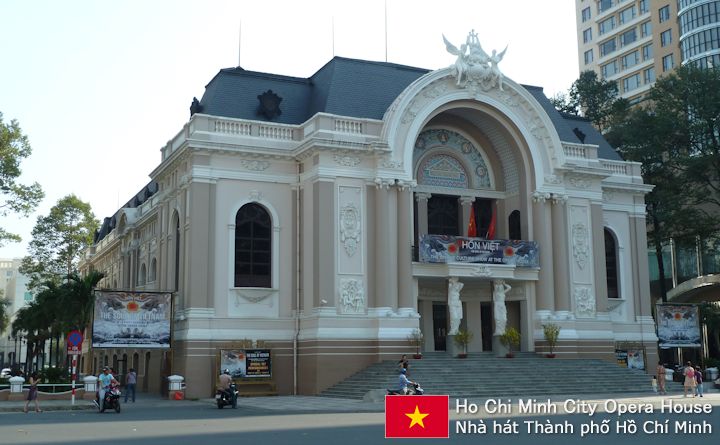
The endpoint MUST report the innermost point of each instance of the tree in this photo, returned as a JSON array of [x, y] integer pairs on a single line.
[[59, 241], [4, 317], [675, 137], [15, 197], [596, 99]]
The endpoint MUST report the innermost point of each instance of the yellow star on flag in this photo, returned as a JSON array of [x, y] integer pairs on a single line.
[[417, 417]]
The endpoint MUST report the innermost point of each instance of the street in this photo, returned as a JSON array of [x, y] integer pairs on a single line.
[[153, 422]]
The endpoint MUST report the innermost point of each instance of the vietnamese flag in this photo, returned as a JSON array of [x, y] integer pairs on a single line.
[[491, 229], [416, 416], [472, 228]]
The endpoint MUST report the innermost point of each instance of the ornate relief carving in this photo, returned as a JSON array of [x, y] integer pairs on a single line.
[[352, 296], [391, 163], [580, 244], [584, 302], [579, 182], [553, 179], [350, 228], [254, 165], [608, 195], [251, 298], [482, 271], [538, 196], [255, 195], [347, 161]]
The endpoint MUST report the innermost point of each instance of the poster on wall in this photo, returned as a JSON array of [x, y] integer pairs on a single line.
[[131, 319], [622, 357], [457, 249], [678, 326], [636, 359], [242, 363]]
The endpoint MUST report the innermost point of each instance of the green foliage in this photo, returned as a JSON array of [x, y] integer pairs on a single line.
[[552, 333], [4, 316], [596, 99], [511, 339], [15, 197], [463, 338], [59, 240], [416, 339], [54, 375]]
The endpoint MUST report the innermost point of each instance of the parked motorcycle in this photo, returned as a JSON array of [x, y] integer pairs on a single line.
[[227, 397], [111, 399], [414, 389]]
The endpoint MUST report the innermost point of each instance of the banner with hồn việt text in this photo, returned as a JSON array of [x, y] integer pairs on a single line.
[[457, 249]]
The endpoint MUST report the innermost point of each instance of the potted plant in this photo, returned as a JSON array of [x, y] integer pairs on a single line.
[[511, 340], [552, 332], [463, 339], [416, 339]]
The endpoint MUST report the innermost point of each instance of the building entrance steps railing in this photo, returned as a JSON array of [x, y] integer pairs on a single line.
[[485, 375]]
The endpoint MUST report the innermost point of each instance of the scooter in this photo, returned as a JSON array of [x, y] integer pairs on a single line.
[[414, 389], [111, 399], [227, 397]]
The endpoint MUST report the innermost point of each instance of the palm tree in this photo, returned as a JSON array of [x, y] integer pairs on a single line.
[[80, 298]]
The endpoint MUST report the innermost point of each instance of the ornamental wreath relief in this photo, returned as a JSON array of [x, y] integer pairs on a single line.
[[350, 228]]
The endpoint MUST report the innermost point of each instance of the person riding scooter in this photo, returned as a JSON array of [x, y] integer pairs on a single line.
[[404, 382], [224, 382]]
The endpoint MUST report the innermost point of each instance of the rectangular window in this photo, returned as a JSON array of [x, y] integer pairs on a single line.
[[646, 29], [631, 59], [668, 62], [610, 69], [647, 52], [607, 47], [606, 25], [586, 14], [628, 37], [588, 56], [587, 35], [664, 13], [643, 6], [604, 5], [649, 75], [666, 37], [627, 14], [631, 83]]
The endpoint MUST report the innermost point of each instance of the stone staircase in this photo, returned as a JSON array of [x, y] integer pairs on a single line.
[[484, 375]]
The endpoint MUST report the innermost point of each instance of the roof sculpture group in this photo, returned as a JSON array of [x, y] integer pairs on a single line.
[[474, 66]]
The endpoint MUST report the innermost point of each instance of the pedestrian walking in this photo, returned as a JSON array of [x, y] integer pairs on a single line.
[[690, 384], [32, 394], [698, 382], [130, 381], [660, 374]]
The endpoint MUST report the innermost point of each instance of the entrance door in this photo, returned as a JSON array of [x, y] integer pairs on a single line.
[[439, 325], [486, 325]]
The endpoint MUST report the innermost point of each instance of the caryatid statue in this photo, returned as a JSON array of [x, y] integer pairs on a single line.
[[500, 290], [456, 311]]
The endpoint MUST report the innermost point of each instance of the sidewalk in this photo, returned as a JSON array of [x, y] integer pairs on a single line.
[[328, 404]]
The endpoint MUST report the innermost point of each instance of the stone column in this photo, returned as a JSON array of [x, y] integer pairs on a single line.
[[542, 234], [383, 263], [466, 203], [641, 278], [560, 252], [422, 210], [404, 248]]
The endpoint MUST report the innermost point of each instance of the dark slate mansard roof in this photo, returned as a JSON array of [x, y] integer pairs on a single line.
[[345, 87], [355, 88]]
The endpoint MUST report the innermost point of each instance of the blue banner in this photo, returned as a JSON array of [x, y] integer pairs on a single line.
[[457, 249]]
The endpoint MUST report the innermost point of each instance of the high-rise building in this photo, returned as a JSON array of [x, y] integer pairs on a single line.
[[632, 42], [699, 23]]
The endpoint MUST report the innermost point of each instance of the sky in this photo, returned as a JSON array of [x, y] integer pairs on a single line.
[[100, 86]]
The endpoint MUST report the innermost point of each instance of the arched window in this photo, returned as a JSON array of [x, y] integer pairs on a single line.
[[253, 231], [143, 275], [153, 270], [611, 265], [514, 225]]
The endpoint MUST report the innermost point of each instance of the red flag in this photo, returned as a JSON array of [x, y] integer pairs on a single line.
[[472, 228], [416, 416], [491, 229]]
